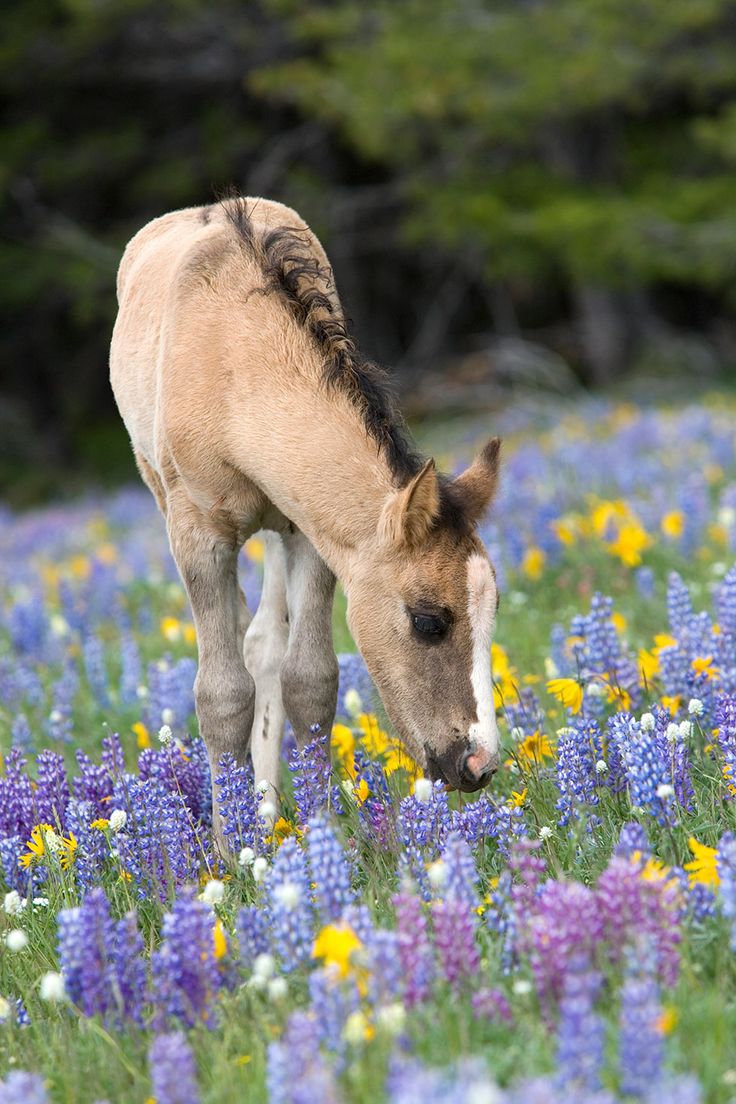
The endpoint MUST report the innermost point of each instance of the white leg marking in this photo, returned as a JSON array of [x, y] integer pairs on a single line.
[[483, 733]]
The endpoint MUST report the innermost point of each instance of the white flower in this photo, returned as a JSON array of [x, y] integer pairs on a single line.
[[4, 1010], [54, 843], [348, 788], [483, 1093], [423, 790], [545, 832], [355, 1029], [141, 692], [262, 786], [267, 812], [353, 704], [246, 856], [726, 516], [118, 818], [277, 989], [596, 690], [672, 732], [165, 735], [550, 668], [665, 790], [517, 734], [56, 716], [601, 767], [565, 731], [52, 987], [168, 716], [16, 940], [695, 707], [255, 981], [437, 873], [518, 598], [14, 903], [718, 569], [213, 892], [647, 722], [41, 902], [259, 868], [264, 965], [58, 625], [287, 894], [522, 987], [686, 729], [391, 1017]]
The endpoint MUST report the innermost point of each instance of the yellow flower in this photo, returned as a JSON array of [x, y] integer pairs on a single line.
[[379, 744], [361, 791], [567, 691], [704, 665], [648, 664], [619, 622], [673, 524], [255, 549], [100, 823], [605, 513], [533, 562], [142, 738], [80, 566], [106, 553], [343, 745], [220, 940], [564, 530], [335, 945], [631, 541], [702, 869], [535, 748], [44, 842], [517, 798], [618, 694], [667, 1020], [282, 829], [189, 633], [170, 629], [672, 702], [662, 641]]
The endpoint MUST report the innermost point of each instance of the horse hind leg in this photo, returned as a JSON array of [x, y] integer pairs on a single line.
[[263, 651]]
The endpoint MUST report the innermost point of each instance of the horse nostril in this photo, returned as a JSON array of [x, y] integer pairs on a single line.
[[476, 768]]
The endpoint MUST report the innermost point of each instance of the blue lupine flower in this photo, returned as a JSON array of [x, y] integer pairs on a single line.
[[460, 872], [384, 967], [23, 1088], [183, 768], [185, 974], [329, 869], [331, 1004], [92, 783], [311, 771], [20, 733], [415, 951], [297, 1071], [173, 1071], [641, 1049], [632, 838], [92, 848], [726, 867], [581, 1032], [95, 670], [131, 673], [291, 910], [51, 795], [578, 751], [238, 805], [422, 828], [17, 803], [253, 930]]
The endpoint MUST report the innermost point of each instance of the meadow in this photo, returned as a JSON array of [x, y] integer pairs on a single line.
[[568, 935]]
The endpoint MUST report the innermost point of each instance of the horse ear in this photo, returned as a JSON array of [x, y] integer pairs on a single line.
[[478, 483], [409, 512]]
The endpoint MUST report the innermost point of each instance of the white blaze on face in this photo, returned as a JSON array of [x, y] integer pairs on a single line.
[[482, 613]]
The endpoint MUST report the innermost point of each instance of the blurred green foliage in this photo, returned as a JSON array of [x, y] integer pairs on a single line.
[[560, 169]]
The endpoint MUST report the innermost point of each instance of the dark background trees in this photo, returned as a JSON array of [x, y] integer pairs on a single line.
[[487, 175]]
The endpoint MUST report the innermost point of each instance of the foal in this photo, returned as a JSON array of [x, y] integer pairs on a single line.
[[249, 408]]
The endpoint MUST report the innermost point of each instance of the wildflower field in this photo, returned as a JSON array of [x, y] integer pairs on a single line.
[[568, 935]]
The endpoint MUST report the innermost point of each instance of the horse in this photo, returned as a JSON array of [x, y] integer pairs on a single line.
[[250, 408]]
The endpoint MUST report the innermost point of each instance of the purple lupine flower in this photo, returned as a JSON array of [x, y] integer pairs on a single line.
[[95, 670], [92, 783], [170, 689], [581, 1032], [578, 750], [726, 867], [600, 654], [63, 693], [253, 935], [238, 804], [330, 1005], [632, 839], [161, 845], [656, 762], [422, 828], [725, 722], [92, 847], [21, 1013], [701, 902], [460, 872], [15, 876], [491, 1004], [644, 577], [113, 757], [411, 1082], [297, 1071], [173, 1070], [631, 907], [500, 917], [684, 1089], [679, 604], [564, 924], [415, 951], [183, 768], [330, 872], [528, 868], [524, 711], [290, 906], [131, 673], [52, 789], [185, 974], [385, 970], [641, 1049], [27, 624], [23, 1088], [16, 797], [129, 968], [454, 937], [20, 733], [311, 770], [354, 676]]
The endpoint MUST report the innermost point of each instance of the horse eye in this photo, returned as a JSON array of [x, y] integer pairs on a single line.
[[427, 625]]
